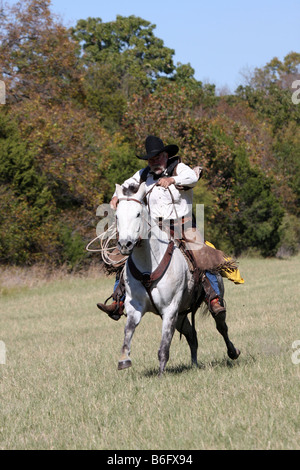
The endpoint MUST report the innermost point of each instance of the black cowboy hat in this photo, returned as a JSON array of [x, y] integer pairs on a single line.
[[154, 146]]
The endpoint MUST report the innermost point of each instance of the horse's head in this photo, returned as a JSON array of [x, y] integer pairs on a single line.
[[131, 223]]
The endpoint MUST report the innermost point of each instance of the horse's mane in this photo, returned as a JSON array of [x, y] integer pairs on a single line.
[[132, 189]]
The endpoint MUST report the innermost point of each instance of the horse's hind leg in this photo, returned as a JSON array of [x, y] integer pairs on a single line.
[[221, 325], [131, 324], [184, 326], [222, 328]]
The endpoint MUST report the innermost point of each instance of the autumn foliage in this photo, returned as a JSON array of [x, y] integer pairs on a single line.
[[79, 105]]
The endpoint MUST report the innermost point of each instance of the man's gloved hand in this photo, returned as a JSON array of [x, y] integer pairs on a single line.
[[165, 182]]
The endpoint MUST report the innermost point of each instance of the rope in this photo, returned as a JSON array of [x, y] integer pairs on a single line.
[[105, 239]]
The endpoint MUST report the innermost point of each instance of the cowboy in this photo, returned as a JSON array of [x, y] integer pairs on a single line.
[[169, 185]]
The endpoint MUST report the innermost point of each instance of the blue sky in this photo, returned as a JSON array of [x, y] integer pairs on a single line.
[[218, 38]]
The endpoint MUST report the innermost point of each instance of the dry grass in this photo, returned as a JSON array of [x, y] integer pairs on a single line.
[[60, 388], [15, 278]]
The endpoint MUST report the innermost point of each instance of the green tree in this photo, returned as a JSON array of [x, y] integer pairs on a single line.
[[257, 219], [286, 147], [27, 221], [104, 94], [129, 44], [19, 169], [122, 163], [121, 58], [269, 91]]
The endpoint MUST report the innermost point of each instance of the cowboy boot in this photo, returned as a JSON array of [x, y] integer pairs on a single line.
[[211, 297], [215, 306], [114, 311]]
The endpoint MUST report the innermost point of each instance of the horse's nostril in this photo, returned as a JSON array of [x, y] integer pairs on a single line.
[[124, 245]]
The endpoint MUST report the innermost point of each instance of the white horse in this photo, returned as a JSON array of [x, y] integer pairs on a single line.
[[170, 294]]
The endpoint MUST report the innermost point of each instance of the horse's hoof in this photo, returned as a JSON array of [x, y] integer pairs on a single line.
[[234, 354], [124, 364]]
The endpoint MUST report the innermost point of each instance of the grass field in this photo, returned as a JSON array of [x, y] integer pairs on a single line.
[[60, 388]]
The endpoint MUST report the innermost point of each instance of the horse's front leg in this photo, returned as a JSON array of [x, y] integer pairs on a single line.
[[133, 319], [168, 328]]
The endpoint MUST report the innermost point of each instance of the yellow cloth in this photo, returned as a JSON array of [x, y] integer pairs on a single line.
[[234, 275]]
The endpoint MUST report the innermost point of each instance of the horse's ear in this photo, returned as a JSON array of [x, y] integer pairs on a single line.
[[119, 191], [141, 191]]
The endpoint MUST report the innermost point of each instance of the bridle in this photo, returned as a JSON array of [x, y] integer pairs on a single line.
[[138, 242], [130, 199]]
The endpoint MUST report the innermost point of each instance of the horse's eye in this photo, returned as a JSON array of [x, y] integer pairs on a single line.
[[138, 214]]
